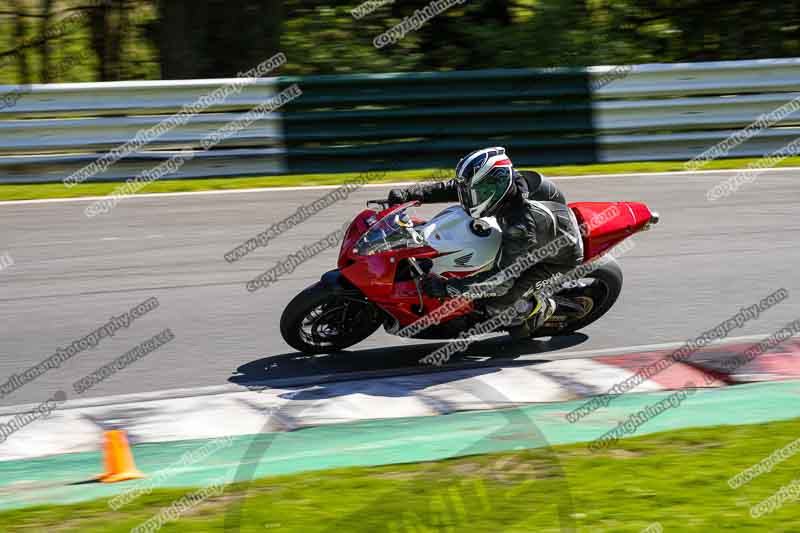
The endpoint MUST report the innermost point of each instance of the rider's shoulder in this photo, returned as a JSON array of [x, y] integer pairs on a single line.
[[531, 179]]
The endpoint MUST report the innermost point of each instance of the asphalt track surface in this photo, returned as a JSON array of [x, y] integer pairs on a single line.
[[72, 273]]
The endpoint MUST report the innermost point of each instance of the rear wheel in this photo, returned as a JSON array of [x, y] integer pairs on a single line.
[[585, 301], [324, 319]]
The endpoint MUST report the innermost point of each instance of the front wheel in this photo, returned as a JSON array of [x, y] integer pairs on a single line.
[[324, 319], [585, 301]]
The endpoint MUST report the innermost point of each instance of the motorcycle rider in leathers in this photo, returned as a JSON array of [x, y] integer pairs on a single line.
[[531, 212]]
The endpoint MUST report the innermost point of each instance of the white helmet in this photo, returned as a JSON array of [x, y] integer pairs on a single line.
[[484, 177]]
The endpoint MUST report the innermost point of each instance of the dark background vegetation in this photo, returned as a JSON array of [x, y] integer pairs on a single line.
[[180, 39]]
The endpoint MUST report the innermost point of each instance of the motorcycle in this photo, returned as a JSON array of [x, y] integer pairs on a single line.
[[386, 252]]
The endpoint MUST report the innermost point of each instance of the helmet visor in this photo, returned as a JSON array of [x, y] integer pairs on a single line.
[[464, 195], [487, 193]]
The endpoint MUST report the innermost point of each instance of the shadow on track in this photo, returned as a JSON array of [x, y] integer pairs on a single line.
[[297, 369]]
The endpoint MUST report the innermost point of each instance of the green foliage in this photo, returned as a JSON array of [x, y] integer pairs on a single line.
[[326, 39], [203, 38]]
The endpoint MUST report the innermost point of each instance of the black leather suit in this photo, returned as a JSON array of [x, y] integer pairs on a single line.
[[529, 220]]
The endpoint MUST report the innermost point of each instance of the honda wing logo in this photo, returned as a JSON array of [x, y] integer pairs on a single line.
[[463, 260]]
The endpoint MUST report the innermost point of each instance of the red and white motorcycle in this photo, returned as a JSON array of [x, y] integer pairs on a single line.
[[386, 252]]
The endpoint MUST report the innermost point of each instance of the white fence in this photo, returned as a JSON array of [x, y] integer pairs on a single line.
[[54, 130], [677, 111], [640, 112]]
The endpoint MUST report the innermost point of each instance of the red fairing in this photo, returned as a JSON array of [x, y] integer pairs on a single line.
[[375, 276], [606, 224], [357, 228]]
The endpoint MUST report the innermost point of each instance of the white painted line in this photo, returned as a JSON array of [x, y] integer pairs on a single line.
[[51, 243], [683, 173], [651, 347], [46, 243]]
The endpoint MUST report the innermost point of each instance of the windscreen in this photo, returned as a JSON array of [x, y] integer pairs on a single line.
[[394, 231]]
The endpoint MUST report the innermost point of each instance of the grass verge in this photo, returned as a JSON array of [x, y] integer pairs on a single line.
[[57, 190], [677, 479]]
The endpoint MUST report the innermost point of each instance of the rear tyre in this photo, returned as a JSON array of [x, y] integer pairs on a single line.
[[601, 289], [324, 319]]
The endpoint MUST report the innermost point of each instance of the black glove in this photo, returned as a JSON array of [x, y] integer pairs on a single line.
[[436, 286], [397, 196]]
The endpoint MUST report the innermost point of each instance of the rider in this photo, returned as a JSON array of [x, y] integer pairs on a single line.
[[531, 212]]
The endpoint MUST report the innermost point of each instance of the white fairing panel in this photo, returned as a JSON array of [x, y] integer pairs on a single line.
[[450, 232]]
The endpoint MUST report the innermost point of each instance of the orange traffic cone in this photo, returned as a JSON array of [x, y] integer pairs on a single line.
[[118, 459]]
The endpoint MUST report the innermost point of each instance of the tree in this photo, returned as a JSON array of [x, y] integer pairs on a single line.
[[109, 24], [44, 44], [20, 33], [216, 38]]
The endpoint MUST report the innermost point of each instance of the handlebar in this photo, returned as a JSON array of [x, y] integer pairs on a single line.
[[381, 202]]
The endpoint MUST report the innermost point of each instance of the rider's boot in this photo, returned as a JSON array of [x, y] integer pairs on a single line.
[[534, 319]]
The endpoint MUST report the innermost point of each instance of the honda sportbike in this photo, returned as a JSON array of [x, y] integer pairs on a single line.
[[387, 251]]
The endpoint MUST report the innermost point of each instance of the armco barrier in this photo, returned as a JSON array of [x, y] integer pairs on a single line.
[[421, 120], [678, 111], [407, 121]]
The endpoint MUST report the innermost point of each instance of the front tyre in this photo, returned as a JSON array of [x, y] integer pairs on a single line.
[[324, 319]]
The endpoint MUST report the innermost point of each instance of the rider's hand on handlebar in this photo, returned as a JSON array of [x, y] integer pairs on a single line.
[[435, 286], [397, 196]]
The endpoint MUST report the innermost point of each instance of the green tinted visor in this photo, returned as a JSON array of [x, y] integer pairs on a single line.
[[484, 195]]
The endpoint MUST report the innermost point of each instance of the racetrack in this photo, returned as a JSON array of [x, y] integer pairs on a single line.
[[71, 273]]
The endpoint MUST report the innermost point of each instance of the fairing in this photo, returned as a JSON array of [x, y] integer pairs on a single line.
[[456, 250], [463, 251], [609, 223]]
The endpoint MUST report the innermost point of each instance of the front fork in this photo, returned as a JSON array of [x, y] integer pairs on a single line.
[[417, 283]]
